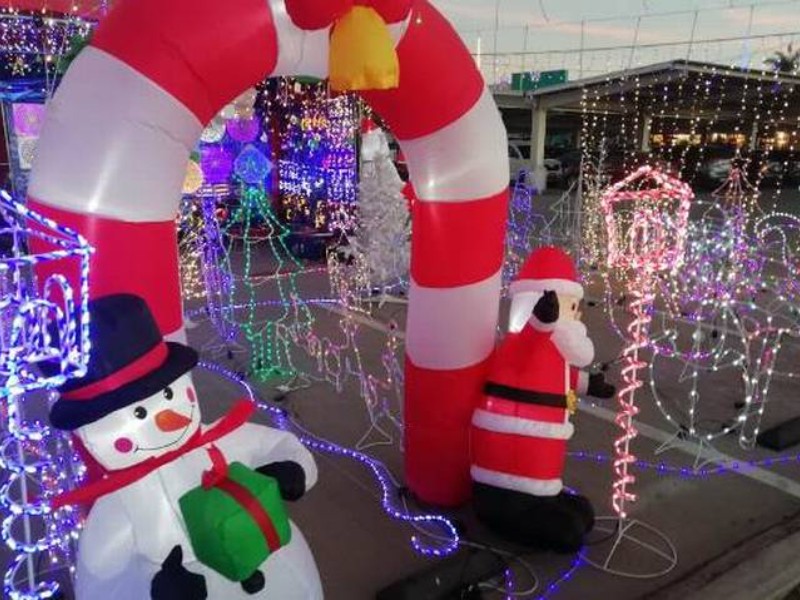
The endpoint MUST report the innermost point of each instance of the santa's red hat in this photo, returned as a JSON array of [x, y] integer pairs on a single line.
[[548, 269]]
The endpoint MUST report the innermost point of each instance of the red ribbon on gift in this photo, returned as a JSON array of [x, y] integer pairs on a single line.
[[217, 477], [219, 469]]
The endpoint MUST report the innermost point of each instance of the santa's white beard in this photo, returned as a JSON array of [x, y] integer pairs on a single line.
[[572, 341]]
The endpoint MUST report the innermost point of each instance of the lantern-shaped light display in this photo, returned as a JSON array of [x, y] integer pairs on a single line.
[[647, 215], [214, 132], [194, 179], [28, 119], [252, 166], [217, 164], [243, 130]]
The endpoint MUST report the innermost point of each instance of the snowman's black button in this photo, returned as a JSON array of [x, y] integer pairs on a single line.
[[254, 584]]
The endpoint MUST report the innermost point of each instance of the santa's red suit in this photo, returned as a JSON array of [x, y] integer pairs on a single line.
[[521, 427]]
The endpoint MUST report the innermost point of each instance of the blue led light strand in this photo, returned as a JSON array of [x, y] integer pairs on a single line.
[[556, 585], [389, 489], [46, 324], [730, 468]]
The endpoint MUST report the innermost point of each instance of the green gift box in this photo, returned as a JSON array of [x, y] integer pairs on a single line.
[[236, 523]]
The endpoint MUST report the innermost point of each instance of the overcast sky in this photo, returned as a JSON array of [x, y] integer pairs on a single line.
[[555, 25]]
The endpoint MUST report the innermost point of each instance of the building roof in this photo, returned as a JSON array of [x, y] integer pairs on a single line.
[[693, 89]]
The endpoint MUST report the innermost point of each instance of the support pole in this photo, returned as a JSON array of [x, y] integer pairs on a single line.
[[754, 136], [538, 138], [645, 130]]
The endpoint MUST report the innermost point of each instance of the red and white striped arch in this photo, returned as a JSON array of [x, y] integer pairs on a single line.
[[113, 154]]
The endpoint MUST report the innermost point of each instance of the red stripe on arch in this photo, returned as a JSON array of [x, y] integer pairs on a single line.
[[439, 81], [203, 52], [134, 258], [458, 243], [438, 412]]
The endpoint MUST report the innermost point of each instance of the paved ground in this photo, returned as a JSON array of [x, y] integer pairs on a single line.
[[360, 550]]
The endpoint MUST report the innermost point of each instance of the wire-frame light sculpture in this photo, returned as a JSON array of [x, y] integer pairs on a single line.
[[646, 216], [44, 341]]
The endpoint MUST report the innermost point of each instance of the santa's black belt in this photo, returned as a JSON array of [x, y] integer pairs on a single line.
[[527, 396]]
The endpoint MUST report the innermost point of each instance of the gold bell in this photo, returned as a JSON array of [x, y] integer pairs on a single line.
[[362, 54]]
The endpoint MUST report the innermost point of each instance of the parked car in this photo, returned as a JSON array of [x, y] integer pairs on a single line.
[[555, 172], [519, 157], [769, 170], [570, 166]]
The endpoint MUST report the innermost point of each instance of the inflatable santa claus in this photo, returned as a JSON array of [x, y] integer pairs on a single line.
[[179, 510], [521, 427]]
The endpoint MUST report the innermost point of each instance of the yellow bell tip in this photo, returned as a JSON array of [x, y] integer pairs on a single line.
[[362, 54], [365, 82]]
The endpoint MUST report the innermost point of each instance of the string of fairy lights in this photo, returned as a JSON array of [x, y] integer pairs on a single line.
[[646, 217], [730, 307], [33, 42], [263, 173], [728, 269]]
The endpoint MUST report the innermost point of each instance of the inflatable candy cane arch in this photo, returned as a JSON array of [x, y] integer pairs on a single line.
[[113, 157]]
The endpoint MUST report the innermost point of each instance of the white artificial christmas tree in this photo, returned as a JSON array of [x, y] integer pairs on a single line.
[[383, 233]]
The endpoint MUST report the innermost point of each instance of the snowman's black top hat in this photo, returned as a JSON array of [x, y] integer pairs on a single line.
[[129, 361]]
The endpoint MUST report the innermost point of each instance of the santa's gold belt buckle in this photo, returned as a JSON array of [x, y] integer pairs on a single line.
[[572, 402]]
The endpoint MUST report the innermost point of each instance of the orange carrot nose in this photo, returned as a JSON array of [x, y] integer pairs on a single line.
[[169, 420]]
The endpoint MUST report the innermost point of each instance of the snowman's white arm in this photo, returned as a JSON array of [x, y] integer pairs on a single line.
[[258, 446], [107, 548]]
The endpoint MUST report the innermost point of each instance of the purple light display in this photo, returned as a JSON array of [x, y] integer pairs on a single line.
[[243, 130], [28, 119], [217, 164]]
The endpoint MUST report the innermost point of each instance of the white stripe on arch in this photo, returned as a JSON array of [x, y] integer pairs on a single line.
[[118, 149], [452, 328], [300, 52], [305, 53], [466, 160]]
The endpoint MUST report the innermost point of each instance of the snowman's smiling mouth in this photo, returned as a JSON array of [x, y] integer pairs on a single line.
[[178, 440]]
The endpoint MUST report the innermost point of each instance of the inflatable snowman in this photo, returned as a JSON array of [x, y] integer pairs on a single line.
[[179, 510]]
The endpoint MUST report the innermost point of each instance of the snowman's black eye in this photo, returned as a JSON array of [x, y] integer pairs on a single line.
[[574, 307], [168, 393], [140, 412]]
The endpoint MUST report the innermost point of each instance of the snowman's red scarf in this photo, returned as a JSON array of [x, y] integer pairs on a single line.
[[117, 480]]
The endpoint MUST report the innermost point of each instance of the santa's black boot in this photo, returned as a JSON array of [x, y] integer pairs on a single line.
[[582, 508], [254, 584], [549, 523]]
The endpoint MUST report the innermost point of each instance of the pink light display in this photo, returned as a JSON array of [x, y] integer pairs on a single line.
[[28, 119], [647, 217]]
